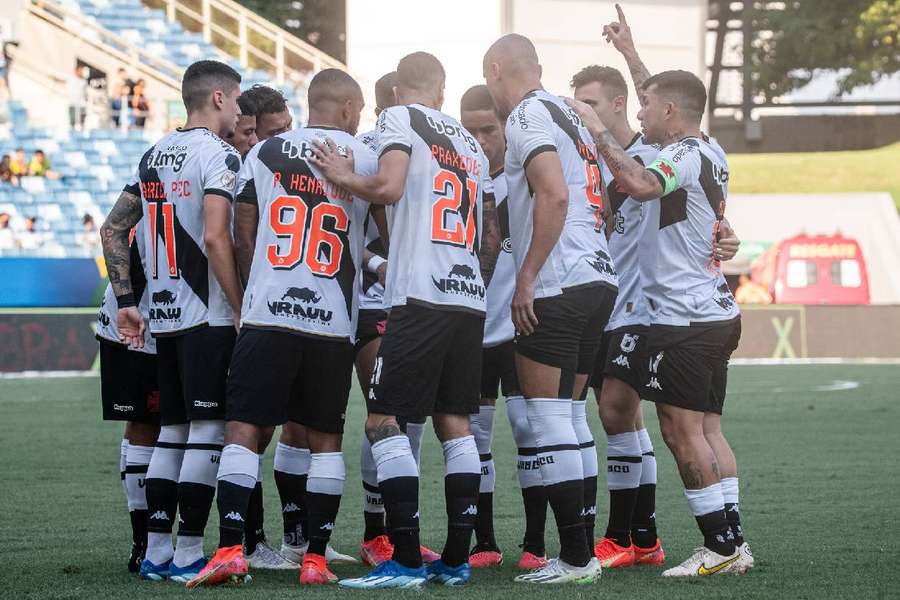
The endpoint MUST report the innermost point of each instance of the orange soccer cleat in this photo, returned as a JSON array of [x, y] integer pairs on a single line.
[[314, 571], [429, 556], [227, 565], [613, 556], [483, 559], [376, 551], [650, 556], [529, 561]]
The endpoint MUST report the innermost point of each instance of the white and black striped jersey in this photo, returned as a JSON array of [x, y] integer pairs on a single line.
[[543, 122], [304, 276], [435, 228], [371, 292], [172, 178], [682, 281], [107, 326], [498, 325], [624, 241]]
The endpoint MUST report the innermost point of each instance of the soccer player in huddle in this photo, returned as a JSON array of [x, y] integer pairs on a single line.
[[129, 391], [435, 179], [694, 321], [565, 290], [498, 368], [183, 189], [294, 357], [376, 546]]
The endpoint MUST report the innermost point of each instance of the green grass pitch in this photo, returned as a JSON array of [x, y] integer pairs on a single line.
[[819, 483]]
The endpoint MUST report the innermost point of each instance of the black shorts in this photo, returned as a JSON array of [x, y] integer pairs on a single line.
[[128, 384], [279, 376], [569, 328], [688, 366], [192, 372], [429, 362], [498, 369], [369, 326], [622, 355]]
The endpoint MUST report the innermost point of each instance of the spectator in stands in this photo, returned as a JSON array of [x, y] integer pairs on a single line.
[[6, 174], [751, 292], [7, 241], [89, 239], [140, 105], [272, 114], [40, 166], [30, 239], [18, 166], [77, 85]]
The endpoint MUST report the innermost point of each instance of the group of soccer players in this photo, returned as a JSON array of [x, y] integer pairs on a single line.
[[536, 247]]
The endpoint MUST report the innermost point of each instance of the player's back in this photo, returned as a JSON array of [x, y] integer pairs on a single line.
[[682, 281], [543, 122], [173, 177], [371, 294], [435, 225], [304, 275]]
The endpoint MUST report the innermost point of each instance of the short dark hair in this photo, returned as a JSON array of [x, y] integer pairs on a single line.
[[611, 79], [477, 97], [681, 87], [420, 71], [384, 91], [39, 151], [203, 78], [247, 105], [332, 85], [268, 100]]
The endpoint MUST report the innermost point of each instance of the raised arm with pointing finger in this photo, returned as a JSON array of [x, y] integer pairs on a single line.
[[618, 33]]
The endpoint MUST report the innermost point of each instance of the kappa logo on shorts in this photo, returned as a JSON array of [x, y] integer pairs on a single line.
[[471, 510], [295, 304], [602, 263], [123, 408], [460, 281], [205, 404], [160, 515], [622, 361]]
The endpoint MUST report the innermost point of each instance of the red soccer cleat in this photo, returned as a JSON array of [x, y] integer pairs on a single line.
[[650, 556], [376, 551], [530, 562], [613, 556], [227, 565], [429, 556], [314, 571], [485, 559]]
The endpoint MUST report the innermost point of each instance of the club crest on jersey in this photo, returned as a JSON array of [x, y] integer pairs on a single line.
[[451, 130], [168, 313], [460, 280], [172, 157], [298, 303], [602, 263], [506, 245]]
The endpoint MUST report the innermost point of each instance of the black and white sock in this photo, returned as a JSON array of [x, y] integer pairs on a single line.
[[732, 508], [528, 470], [589, 465], [162, 491], [373, 505], [482, 426], [398, 480], [291, 471], [197, 488], [324, 488], [462, 477], [123, 461], [254, 530], [562, 473], [235, 482], [415, 433], [708, 507], [643, 522], [137, 464], [623, 478]]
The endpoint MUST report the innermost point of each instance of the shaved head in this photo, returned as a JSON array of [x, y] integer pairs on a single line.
[[515, 54], [421, 72]]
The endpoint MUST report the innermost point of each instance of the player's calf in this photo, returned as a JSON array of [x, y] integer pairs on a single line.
[[528, 472]]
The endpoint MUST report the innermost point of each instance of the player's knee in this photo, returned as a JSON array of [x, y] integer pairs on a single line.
[[381, 427], [142, 434], [320, 441], [450, 427], [488, 402], [265, 438], [294, 434], [242, 434]]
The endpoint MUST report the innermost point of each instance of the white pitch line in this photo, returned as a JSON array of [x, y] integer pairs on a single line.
[[755, 362], [48, 374]]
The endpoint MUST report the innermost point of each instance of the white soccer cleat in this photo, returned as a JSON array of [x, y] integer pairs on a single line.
[[704, 562], [267, 558], [296, 554], [558, 571], [746, 562]]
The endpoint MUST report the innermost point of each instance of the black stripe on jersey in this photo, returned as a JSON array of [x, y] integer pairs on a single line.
[[569, 128], [217, 192], [132, 188], [395, 146], [247, 195], [191, 263], [503, 217], [714, 194], [418, 122], [136, 272], [539, 150], [276, 161], [616, 195], [673, 208]]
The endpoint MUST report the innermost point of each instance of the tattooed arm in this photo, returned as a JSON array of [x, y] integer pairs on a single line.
[[618, 33], [490, 238], [246, 222], [114, 234]]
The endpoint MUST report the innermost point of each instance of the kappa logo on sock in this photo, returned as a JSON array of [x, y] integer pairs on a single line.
[[416, 516], [290, 507], [234, 516], [471, 510], [160, 514], [591, 511], [734, 508], [328, 526]]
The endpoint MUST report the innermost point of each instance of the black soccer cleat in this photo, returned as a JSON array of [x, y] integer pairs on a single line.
[[137, 556]]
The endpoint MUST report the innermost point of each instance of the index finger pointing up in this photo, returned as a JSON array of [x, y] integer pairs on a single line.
[[621, 15]]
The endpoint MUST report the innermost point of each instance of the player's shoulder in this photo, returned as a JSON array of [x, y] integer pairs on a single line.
[[369, 139], [642, 149], [683, 150], [528, 111]]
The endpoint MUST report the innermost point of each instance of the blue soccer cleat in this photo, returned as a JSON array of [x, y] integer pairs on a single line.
[[389, 574], [185, 574], [152, 572], [439, 572]]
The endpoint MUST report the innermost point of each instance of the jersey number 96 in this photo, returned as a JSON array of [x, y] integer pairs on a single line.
[[320, 248]]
